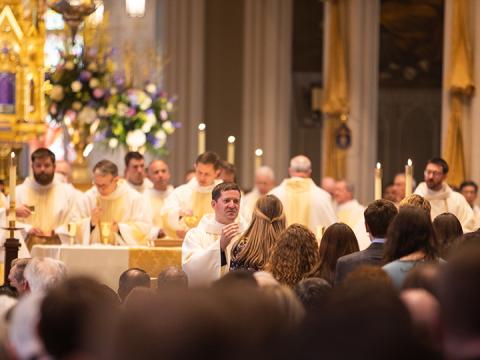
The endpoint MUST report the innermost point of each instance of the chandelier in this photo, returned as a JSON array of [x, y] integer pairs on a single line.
[[135, 8]]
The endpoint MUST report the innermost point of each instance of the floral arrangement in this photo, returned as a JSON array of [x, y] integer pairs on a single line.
[[139, 120]]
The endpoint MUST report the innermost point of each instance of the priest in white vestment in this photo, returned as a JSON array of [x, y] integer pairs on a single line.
[[469, 190], [349, 211], [264, 182], [303, 201], [44, 205], [135, 172], [193, 200], [441, 197], [206, 248], [112, 206], [159, 174]]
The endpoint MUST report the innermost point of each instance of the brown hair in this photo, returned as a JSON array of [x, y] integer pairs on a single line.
[[378, 215], [268, 221], [42, 153], [294, 256], [447, 229], [209, 157], [416, 201], [338, 240]]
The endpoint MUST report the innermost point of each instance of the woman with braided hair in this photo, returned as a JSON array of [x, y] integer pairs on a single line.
[[252, 250]]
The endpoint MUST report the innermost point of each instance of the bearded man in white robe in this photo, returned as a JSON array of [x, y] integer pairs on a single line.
[[264, 182], [44, 205], [112, 207], [159, 174], [193, 200], [303, 201], [206, 248], [349, 211], [441, 196]]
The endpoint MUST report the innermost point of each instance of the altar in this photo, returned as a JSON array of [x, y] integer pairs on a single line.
[[106, 262]]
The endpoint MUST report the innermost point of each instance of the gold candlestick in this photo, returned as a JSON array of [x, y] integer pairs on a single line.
[[231, 150], [408, 178], [378, 181], [201, 138]]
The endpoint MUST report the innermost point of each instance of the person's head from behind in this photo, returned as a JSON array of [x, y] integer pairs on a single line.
[[105, 177], [447, 230], [418, 202], [469, 190], [207, 168], [226, 202], [344, 191], [43, 274], [294, 256], [300, 166], [286, 301], [76, 319], [16, 276], [43, 166], [237, 279], [367, 275], [131, 279], [227, 172], [337, 241], [264, 180], [159, 174], [410, 231], [313, 292], [435, 173], [378, 216], [134, 167], [268, 221], [172, 277], [424, 276]]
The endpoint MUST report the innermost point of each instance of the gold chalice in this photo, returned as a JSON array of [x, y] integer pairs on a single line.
[[106, 232]]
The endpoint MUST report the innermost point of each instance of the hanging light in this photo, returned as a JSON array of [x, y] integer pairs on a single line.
[[135, 8]]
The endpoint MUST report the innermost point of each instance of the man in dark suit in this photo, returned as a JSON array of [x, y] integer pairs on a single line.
[[378, 216]]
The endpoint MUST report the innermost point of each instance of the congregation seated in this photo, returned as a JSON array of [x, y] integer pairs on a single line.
[[131, 279], [16, 275], [425, 276], [42, 274], [447, 230], [312, 292], [172, 276]]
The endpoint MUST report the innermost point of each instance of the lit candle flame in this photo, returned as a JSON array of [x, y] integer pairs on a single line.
[[202, 127], [12, 155], [259, 152], [409, 162], [231, 139], [379, 166]]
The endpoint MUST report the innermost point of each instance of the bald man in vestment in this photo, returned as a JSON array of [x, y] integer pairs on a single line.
[[303, 201], [44, 204], [159, 174], [194, 198], [113, 207], [264, 182]]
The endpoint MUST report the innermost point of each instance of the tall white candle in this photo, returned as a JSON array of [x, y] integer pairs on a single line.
[[408, 178], [258, 158], [378, 181], [12, 184], [201, 138], [231, 150]]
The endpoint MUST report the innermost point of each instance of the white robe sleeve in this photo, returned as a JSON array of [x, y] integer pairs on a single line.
[[201, 258]]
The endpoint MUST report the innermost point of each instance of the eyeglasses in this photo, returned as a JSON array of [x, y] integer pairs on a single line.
[[433, 173], [103, 186]]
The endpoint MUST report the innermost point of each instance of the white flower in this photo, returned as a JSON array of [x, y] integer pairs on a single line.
[[136, 139], [146, 127], [151, 118], [113, 91], [169, 106], [113, 143], [151, 88], [94, 82], [163, 115], [122, 109], [146, 103], [76, 86], [162, 138], [168, 127]]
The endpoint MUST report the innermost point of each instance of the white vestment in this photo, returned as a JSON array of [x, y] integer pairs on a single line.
[[201, 256], [351, 213], [124, 206], [305, 203], [190, 196], [146, 184], [54, 206], [476, 214], [447, 200], [155, 200], [248, 204]]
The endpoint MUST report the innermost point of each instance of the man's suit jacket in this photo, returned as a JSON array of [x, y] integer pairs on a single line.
[[373, 255]]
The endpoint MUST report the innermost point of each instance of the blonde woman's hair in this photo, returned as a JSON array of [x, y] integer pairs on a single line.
[[416, 201], [268, 221]]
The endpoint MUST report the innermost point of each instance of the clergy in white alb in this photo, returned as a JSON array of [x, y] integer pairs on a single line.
[[159, 174], [206, 248], [469, 190], [112, 206], [194, 198], [264, 182], [44, 205], [303, 201], [441, 197], [135, 172], [349, 211]]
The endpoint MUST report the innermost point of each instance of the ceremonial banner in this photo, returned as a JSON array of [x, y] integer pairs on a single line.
[[461, 87]]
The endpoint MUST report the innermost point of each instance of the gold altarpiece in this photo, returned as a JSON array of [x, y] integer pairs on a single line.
[[22, 108]]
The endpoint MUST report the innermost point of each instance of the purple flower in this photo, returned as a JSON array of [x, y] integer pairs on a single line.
[[85, 75], [152, 139], [176, 124], [100, 136]]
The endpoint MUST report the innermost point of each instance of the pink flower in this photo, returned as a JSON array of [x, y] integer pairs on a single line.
[[131, 112], [98, 93]]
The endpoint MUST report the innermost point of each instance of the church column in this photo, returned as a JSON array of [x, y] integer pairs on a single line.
[[363, 57], [267, 85], [181, 40]]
